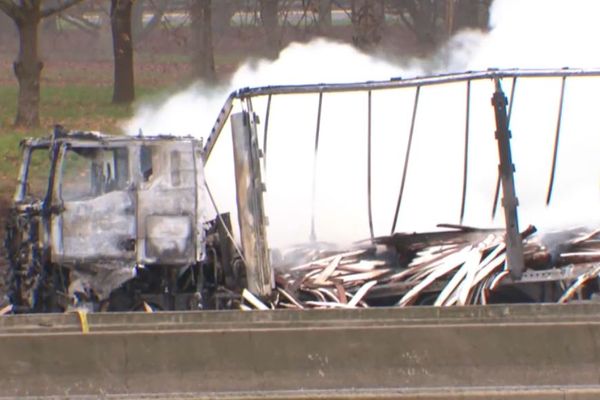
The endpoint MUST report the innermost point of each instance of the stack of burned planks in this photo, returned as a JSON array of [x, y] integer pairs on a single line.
[[582, 250], [456, 267]]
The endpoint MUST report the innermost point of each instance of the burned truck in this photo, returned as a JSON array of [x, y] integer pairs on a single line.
[[114, 223], [122, 223]]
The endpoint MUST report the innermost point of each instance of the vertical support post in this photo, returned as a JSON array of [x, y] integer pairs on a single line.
[[251, 215], [266, 131], [555, 153], [510, 108], [369, 169], [406, 157], [466, 154], [313, 232], [514, 244]]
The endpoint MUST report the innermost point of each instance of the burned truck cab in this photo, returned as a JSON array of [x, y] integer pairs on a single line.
[[112, 222]]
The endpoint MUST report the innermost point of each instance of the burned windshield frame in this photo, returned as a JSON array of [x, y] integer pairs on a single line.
[[87, 172], [36, 170]]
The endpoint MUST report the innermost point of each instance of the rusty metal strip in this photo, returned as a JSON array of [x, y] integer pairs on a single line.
[[556, 138], [265, 132], [406, 157], [212, 138], [369, 200], [313, 234], [395, 83], [466, 154], [381, 85]]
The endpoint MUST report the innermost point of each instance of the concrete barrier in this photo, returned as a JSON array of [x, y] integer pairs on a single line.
[[517, 351]]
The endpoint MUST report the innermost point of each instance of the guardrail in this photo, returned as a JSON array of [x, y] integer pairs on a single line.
[[516, 351]]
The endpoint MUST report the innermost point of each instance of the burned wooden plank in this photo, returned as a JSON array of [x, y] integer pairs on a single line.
[[358, 296], [253, 300], [579, 283], [466, 269]]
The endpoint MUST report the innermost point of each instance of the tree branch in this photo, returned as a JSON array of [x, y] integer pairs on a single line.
[[9, 8], [27, 4], [61, 7]]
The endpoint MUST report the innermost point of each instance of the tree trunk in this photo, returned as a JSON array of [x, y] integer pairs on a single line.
[[28, 70], [324, 15], [270, 20], [202, 54], [120, 12], [422, 17], [367, 21]]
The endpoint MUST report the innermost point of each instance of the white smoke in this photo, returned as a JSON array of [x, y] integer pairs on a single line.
[[532, 34], [194, 110]]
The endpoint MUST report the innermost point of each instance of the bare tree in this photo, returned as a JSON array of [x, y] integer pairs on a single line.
[[422, 17], [120, 20], [367, 21], [27, 15], [269, 15], [202, 54]]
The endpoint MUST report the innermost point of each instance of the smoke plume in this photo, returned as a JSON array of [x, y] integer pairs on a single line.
[[532, 34]]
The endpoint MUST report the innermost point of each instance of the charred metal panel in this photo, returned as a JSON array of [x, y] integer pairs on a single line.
[[99, 278], [250, 203], [201, 200], [167, 204], [93, 218], [99, 227], [22, 182], [169, 237], [109, 206], [514, 245]]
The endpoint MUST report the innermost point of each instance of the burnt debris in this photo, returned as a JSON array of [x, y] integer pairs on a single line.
[[109, 223], [446, 268]]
